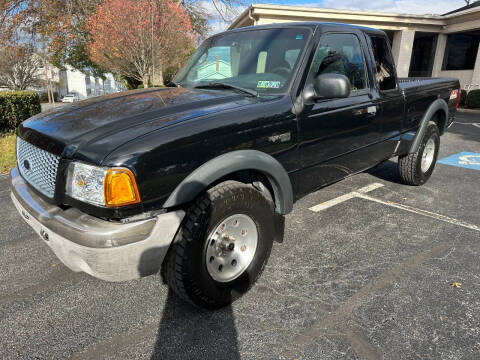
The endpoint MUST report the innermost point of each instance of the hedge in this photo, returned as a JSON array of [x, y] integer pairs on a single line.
[[463, 97], [44, 96], [16, 106], [473, 99]]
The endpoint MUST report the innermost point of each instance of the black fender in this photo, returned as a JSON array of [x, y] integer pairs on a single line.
[[437, 105], [205, 175]]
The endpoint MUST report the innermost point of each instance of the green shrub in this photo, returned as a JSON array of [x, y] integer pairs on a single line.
[[473, 99], [44, 96], [463, 97], [16, 106], [140, 86], [169, 73]]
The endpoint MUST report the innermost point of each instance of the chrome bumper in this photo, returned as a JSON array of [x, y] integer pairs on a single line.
[[107, 250]]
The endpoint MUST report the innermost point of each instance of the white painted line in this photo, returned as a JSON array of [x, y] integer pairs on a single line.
[[361, 193], [462, 123], [369, 188], [422, 212], [340, 199], [333, 202]]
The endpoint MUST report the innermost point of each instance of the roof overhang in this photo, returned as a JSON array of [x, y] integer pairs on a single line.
[[261, 14]]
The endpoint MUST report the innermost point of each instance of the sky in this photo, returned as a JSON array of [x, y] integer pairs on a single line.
[[398, 6]]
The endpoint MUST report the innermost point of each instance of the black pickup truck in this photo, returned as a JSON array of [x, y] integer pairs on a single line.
[[193, 180]]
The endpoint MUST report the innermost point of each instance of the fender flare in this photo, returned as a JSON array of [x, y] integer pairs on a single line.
[[228, 163], [438, 104]]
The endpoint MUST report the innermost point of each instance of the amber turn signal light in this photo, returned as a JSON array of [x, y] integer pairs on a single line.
[[120, 188]]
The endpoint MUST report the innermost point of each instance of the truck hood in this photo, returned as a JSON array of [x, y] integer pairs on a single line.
[[93, 128]]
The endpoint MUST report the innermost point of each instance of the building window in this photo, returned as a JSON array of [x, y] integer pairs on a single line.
[[461, 51], [423, 54]]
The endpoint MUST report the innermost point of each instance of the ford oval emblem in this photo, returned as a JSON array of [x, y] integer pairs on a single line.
[[26, 164]]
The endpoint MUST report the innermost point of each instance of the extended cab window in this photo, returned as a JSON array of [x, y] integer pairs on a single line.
[[383, 67], [340, 54]]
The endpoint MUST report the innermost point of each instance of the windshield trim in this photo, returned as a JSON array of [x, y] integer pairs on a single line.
[[298, 64]]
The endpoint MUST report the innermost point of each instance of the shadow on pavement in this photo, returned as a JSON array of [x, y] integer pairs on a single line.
[[387, 171], [186, 332], [189, 333]]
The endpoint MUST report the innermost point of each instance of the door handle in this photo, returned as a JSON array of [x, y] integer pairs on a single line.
[[369, 110]]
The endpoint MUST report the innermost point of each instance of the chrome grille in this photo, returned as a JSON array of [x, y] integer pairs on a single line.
[[38, 167]]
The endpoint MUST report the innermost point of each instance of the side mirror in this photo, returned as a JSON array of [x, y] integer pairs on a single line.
[[327, 86]]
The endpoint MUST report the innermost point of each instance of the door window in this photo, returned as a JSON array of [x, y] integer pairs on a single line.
[[341, 54], [384, 67]]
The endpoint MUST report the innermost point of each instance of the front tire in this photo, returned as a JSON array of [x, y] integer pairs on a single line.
[[222, 246], [416, 169]]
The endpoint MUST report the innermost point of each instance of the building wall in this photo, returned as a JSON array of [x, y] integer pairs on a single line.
[[468, 78], [475, 82], [402, 50], [85, 86], [464, 76], [76, 83]]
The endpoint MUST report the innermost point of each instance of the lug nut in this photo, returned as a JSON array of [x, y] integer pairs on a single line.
[[44, 235]]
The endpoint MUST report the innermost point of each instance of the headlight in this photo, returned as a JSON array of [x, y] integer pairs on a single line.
[[102, 186]]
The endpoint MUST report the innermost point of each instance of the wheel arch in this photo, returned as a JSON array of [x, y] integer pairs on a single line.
[[230, 163], [437, 110]]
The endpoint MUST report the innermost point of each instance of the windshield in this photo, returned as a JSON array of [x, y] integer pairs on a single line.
[[260, 60]]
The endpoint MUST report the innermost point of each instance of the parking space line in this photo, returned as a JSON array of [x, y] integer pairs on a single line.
[[340, 199], [361, 193], [422, 212], [325, 205], [462, 123]]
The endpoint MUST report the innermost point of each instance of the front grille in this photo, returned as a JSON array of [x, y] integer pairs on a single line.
[[38, 167]]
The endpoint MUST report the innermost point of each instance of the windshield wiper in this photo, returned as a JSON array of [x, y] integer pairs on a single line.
[[220, 85]]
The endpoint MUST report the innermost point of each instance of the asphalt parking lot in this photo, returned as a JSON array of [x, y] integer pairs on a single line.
[[367, 275]]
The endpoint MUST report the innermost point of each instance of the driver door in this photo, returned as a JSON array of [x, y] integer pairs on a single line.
[[332, 131]]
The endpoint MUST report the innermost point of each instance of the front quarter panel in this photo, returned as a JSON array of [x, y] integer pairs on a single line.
[[163, 158]]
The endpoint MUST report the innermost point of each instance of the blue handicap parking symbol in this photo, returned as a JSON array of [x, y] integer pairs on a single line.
[[464, 159]]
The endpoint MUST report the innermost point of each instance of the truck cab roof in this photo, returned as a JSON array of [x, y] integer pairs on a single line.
[[326, 26]]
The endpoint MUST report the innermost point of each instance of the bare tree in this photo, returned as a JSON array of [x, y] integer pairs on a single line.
[[19, 67]]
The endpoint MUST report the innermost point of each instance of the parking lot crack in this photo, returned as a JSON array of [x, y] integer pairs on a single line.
[[339, 318]]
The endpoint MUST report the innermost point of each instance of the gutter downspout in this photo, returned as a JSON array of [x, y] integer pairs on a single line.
[[251, 17]]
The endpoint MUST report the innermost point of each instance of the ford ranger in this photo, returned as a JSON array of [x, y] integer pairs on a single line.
[[193, 180]]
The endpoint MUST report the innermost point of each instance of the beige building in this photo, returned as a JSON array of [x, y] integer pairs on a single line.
[[422, 45]]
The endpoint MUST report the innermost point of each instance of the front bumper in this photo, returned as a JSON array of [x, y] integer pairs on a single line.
[[107, 250]]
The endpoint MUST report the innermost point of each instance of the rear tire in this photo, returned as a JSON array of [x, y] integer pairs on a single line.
[[226, 210], [415, 169]]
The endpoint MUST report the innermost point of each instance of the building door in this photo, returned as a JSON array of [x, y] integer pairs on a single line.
[[423, 54]]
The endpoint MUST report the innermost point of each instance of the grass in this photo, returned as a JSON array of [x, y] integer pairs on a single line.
[[7, 152]]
